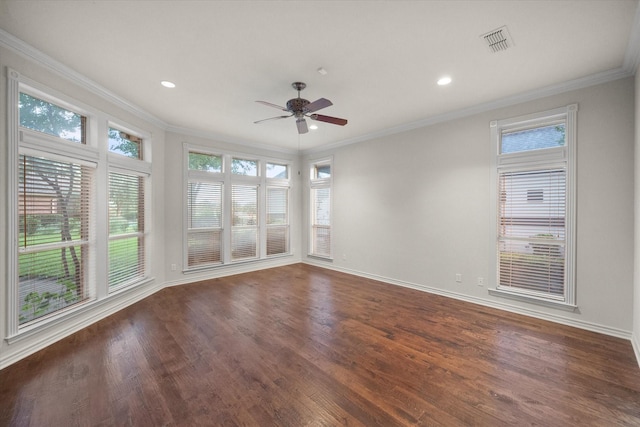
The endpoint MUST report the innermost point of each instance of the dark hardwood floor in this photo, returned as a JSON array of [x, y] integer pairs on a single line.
[[300, 345]]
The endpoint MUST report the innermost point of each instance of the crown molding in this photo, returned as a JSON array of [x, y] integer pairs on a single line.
[[213, 136], [632, 55], [20, 47], [580, 83]]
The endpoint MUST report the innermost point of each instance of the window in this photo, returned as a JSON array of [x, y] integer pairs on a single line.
[[244, 221], [277, 220], [54, 206], [237, 208], [320, 218], [128, 175], [244, 167], [63, 182], [51, 119], [125, 144], [534, 214], [205, 190]]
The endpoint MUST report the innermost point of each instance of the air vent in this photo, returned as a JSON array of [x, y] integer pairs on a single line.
[[498, 39]]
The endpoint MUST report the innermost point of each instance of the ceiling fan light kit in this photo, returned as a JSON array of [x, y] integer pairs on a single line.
[[301, 108]]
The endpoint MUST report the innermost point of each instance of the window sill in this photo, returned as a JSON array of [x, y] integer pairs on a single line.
[[234, 263], [561, 305]]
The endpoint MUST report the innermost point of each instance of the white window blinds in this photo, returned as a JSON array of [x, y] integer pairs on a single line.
[[54, 204], [321, 221], [277, 220], [204, 223], [531, 231], [126, 228], [244, 218]]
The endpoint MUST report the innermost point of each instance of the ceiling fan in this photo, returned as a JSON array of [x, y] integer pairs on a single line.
[[301, 108]]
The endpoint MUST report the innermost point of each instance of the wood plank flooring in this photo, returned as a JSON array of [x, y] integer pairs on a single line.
[[300, 345]]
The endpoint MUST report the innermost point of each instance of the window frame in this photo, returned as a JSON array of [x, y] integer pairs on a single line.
[[93, 153], [533, 160], [317, 183], [228, 179]]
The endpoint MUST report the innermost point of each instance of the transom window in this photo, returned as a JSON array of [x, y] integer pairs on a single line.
[[49, 118]]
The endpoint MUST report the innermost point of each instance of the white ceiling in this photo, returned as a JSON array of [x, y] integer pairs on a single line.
[[383, 57]]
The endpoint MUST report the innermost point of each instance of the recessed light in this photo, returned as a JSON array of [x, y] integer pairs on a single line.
[[444, 81], [313, 127], [168, 84]]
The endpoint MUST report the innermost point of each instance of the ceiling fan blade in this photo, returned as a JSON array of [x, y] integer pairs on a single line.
[[328, 119], [302, 126], [268, 104], [272, 118], [318, 105]]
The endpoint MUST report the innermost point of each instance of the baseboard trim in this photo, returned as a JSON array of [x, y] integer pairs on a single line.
[[224, 271], [589, 326], [635, 343]]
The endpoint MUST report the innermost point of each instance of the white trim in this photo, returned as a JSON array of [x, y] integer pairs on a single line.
[[530, 160], [531, 312], [211, 135], [632, 55], [580, 83], [635, 343], [22, 48], [13, 120]]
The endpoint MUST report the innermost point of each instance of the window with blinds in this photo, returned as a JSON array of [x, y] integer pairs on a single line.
[[54, 211], [531, 236], [244, 221], [535, 219], [320, 218], [277, 220], [204, 223], [126, 228]]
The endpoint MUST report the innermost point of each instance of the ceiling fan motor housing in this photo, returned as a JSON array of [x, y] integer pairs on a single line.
[[297, 106]]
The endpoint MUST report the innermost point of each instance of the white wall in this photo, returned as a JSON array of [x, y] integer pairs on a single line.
[[33, 70], [414, 208]]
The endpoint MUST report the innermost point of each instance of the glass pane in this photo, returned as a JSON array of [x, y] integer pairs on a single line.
[[277, 171], [125, 203], [205, 162], [126, 260], [533, 204], [244, 199], [125, 144], [534, 267], [244, 242], [244, 167], [53, 203], [278, 240], [533, 139], [50, 280], [244, 211], [45, 117], [277, 205], [204, 205], [322, 206], [204, 247], [322, 171]]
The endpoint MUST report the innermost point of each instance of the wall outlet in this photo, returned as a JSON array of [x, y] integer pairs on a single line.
[[458, 277], [480, 281], [174, 267]]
